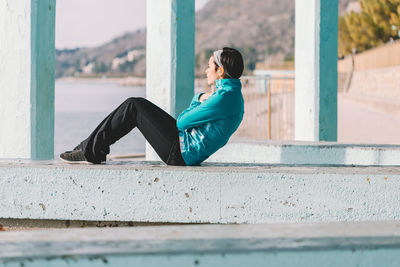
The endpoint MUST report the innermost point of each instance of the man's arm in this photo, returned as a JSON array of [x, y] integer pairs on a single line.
[[207, 111]]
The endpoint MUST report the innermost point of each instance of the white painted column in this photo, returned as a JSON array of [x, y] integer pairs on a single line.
[[27, 78], [170, 56], [316, 70]]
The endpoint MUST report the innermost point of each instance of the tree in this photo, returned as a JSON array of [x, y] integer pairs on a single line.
[[100, 68], [376, 24]]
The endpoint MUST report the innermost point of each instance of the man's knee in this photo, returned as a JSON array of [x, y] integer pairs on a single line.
[[132, 100]]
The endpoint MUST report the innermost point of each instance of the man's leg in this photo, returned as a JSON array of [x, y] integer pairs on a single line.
[[157, 126], [160, 130]]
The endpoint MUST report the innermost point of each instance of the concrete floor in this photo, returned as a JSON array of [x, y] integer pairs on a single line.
[[359, 123]]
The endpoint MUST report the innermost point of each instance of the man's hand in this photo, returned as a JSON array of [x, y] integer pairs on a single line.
[[205, 96]]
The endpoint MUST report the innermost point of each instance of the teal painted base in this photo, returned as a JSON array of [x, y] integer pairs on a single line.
[[387, 257], [301, 244], [42, 81], [328, 76]]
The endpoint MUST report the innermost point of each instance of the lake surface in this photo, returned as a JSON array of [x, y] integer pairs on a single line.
[[81, 105]]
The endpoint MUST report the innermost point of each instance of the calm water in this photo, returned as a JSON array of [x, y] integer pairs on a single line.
[[80, 106]]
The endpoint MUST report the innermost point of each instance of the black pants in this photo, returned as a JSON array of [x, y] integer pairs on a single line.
[[157, 126]]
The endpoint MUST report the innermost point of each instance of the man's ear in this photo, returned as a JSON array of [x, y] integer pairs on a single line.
[[221, 72]]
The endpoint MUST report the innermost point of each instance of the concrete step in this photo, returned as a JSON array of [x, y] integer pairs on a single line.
[[308, 153], [212, 193], [300, 244]]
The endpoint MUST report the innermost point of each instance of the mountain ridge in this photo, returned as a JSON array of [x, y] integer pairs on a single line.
[[266, 30]]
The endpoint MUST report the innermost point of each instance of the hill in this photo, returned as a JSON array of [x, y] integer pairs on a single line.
[[262, 30]]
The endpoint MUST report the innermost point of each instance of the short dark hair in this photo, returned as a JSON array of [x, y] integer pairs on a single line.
[[232, 61]]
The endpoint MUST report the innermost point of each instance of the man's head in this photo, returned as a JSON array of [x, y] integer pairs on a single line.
[[225, 64]]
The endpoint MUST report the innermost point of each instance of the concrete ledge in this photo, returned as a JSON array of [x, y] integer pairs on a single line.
[[310, 244], [213, 193], [309, 153]]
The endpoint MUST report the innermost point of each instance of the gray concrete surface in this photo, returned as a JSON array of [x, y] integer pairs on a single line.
[[362, 123], [213, 193]]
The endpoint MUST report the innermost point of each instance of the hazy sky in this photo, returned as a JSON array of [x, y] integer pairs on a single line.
[[93, 22]]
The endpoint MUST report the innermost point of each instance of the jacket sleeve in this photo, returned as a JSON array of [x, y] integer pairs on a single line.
[[209, 110], [195, 102]]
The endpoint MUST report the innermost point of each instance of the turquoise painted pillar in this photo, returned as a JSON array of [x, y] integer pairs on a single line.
[[27, 51], [170, 56], [316, 70]]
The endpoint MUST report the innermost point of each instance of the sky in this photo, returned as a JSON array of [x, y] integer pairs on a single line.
[[94, 22]]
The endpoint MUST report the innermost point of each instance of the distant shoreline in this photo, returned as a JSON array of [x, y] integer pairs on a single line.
[[123, 81]]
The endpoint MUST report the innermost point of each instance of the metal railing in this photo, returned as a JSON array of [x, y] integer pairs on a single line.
[[269, 108]]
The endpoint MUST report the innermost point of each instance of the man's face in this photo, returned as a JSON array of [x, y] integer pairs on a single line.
[[211, 71]]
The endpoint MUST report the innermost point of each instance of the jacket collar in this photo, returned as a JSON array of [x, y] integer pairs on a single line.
[[228, 84]]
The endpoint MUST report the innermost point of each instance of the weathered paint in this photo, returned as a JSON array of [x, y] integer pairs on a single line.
[[170, 56], [316, 70], [27, 79], [315, 244], [216, 193], [15, 77], [309, 153]]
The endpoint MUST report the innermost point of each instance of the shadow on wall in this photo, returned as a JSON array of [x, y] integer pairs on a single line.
[[339, 154], [306, 153]]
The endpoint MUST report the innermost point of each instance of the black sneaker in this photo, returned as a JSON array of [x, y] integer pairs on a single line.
[[75, 156]]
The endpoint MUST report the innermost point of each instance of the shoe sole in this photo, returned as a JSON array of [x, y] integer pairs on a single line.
[[76, 162]]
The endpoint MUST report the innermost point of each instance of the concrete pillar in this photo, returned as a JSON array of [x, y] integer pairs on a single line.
[[27, 59], [170, 56], [316, 70]]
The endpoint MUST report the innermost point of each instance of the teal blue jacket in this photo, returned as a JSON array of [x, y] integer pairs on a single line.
[[206, 127]]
